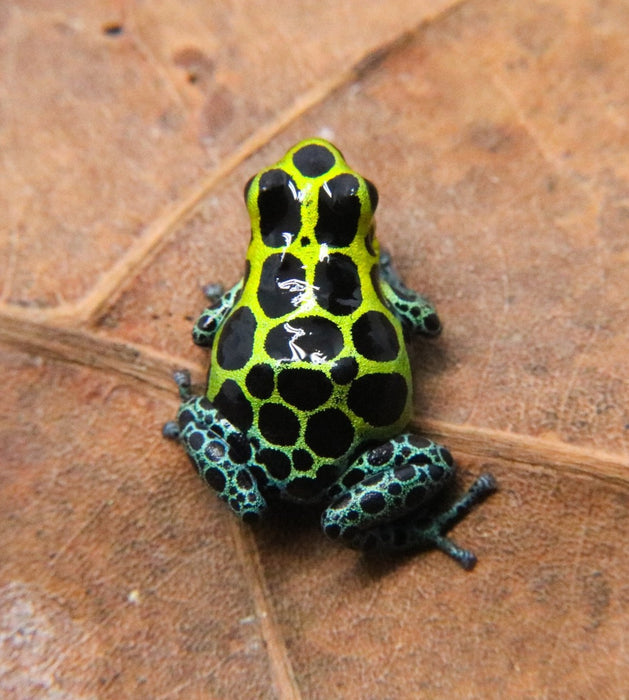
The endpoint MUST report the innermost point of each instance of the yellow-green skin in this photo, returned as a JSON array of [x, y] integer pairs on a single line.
[[365, 258], [309, 387]]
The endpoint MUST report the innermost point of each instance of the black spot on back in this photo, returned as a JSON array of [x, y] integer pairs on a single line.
[[374, 337], [339, 211], [303, 337], [260, 380], [338, 284], [276, 462], [327, 475], [378, 398], [344, 370], [303, 388], [236, 342], [302, 460], [278, 424], [281, 279], [313, 160], [329, 433], [280, 210], [239, 448], [234, 406]]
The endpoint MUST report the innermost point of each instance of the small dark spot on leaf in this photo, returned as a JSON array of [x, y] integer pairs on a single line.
[[198, 66], [113, 28]]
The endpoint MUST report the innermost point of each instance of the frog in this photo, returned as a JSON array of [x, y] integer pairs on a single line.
[[309, 391]]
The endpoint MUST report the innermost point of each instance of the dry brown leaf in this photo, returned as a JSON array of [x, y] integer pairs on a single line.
[[497, 135]]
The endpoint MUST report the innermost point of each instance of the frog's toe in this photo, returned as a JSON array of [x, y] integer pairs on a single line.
[[427, 537], [486, 483], [170, 430], [467, 559], [213, 291], [183, 382], [252, 515]]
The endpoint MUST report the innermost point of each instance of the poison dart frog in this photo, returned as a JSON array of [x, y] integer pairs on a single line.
[[309, 389]]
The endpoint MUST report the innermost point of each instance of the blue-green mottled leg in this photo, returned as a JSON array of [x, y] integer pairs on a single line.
[[211, 318], [398, 478], [219, 452], [416, 314], [431, 533]]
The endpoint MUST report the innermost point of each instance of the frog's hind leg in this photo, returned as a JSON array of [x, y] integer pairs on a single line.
[[217, 450], [413, 534], [383, 495]]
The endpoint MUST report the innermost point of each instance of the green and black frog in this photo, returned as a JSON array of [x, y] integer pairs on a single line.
[[309, 389]]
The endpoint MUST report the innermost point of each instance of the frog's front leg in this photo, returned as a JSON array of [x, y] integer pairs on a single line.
[[416, 314], [219, 451], [213, 316], [382, 510]]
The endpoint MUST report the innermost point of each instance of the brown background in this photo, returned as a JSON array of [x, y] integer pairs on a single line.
[[497, 133]]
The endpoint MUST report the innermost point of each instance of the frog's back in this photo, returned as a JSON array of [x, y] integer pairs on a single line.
[[311, 362]]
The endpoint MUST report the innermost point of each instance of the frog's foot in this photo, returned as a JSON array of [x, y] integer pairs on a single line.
[[210, 320], [220, 453], [170, 429], [182, 380], [415, 313], [213, 291], [381, 495], [431, 533]]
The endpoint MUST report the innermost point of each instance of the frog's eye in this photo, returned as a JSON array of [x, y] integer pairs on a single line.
[[279, 207], [371, 234], [248, 187], [339, 211]]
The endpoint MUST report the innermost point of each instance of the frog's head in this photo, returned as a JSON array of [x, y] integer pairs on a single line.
[[311, 197]]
